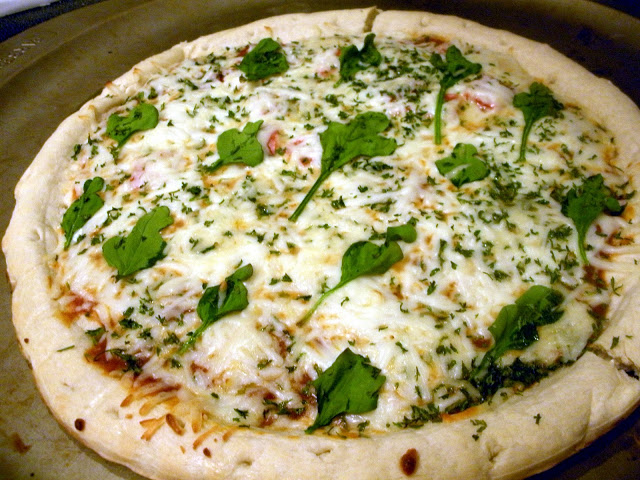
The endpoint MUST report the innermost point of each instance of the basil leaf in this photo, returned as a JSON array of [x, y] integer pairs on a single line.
[[367, 258], [235, 146], [350, 385], [583, 204], [214, 304], [142, 248], [353, 60], [454, 67], [142, 117], [516, 326], [406, 233], [536, 104], [341, 143], [80, 211], [463, 166], [265, 59]]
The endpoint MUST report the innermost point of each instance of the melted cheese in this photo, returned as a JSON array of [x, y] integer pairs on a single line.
[[477, 250]]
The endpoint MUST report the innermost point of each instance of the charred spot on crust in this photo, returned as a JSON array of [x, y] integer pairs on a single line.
[[207, 452], [79, 424], [409, 462]]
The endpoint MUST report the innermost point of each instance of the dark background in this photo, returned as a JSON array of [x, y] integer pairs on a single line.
[[15, 23]]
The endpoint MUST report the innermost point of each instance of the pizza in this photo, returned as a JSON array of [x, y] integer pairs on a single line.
[[350, 244]]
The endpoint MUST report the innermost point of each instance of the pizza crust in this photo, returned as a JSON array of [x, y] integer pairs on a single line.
[[575, 405], [337, 22]]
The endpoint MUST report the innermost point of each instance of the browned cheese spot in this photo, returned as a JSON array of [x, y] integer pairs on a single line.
[[76, 306], [463, 415], [227, 435], [97, 355], [207, 452], [175, 423], [152, 425], [594, 276], [617, 240], [198, 441], [409, 462], [629, 212], [600, 310], [481, 343]]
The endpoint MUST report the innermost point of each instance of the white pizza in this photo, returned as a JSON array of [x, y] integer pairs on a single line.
[[350, 244]]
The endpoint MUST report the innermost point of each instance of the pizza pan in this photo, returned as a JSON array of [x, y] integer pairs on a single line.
[[47, 72]]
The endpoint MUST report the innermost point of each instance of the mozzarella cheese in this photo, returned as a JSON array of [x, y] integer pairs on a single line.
[[424, 322]]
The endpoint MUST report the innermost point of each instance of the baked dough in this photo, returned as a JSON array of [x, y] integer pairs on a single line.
[[576, 404]]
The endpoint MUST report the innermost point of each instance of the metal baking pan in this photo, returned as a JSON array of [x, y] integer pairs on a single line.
[[47, 72]]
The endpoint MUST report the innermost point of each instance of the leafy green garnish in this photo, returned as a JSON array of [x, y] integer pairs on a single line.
[[215, 304], [583, 204], [131, 362], [367, 258], [420, 416], [129, 324], [536, 104], [516, 326], [407, 233], [517, 373], [142, 247], [454, 68], [95, 334], [265, 59], [141, 117], [353, 60], [350, 385], [80, 211], [463, 166], [341, 143], [235, 146]]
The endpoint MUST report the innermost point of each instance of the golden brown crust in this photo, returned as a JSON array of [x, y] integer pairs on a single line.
[[571, 407]]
